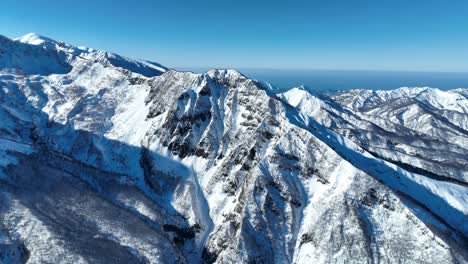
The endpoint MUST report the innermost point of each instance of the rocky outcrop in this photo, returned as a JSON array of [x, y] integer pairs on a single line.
[[112, 162]]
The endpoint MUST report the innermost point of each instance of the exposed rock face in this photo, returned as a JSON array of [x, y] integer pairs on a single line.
[[107, 159]]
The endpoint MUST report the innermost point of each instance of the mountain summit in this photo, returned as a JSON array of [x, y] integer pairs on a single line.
[[106, 159], [35, 39]]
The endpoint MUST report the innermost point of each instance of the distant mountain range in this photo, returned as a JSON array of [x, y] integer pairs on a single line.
[[106, 159]]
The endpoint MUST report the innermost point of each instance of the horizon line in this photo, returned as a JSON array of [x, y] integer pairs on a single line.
[[313, 69], [176, 67]]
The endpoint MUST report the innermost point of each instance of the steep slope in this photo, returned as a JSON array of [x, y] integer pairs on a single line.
[[35, 54], [406, 125], [108, 159]]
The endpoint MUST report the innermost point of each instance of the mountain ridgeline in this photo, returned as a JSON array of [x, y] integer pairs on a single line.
[[106, 159]]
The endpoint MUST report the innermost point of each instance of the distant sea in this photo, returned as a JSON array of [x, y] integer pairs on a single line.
[[345, 80]]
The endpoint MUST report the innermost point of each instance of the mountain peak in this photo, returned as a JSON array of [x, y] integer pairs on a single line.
[[218, 167], [35, 39], [65, 55], [225, 73]]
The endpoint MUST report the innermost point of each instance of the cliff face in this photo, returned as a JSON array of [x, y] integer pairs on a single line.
[[108, 159]]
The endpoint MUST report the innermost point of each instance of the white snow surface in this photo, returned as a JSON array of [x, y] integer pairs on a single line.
[[107, 159]]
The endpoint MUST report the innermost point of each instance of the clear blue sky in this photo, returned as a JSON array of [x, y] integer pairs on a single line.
[[429, 35]]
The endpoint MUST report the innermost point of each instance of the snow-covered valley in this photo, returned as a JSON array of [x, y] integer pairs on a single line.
[[106, 159]]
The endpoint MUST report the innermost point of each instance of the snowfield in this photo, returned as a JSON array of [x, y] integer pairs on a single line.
[[106, 159]]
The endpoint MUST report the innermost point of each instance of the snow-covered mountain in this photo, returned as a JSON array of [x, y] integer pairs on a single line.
[[105, 159]]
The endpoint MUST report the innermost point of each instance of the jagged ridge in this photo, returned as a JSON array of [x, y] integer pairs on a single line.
[[166, 166]]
